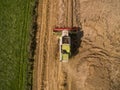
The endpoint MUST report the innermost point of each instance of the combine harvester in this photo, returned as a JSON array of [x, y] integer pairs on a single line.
[[65, 42]]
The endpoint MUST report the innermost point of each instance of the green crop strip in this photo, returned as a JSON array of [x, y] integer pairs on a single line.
[[15, 26]]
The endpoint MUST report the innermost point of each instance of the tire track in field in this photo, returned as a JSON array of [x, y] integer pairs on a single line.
[[45, 61], [61, 13], [23, 35], [44, 51], [51, 69], [70, 13], [49, 55], [41, 52], [36, 73], [76, 13]]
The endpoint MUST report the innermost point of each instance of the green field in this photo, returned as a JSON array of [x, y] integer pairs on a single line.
[[15, 26]]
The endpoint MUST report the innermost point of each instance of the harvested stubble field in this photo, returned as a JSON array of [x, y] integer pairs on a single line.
[[97, 64], [15, 26]]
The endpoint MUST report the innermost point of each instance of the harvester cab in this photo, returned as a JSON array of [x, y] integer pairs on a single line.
[[65, 42]]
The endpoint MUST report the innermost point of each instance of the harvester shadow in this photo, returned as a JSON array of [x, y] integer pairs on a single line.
[[76, 42]]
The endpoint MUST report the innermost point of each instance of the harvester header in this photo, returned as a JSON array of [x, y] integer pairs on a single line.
[[68, 29]]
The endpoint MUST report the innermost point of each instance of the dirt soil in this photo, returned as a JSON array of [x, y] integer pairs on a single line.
[[96, 63]]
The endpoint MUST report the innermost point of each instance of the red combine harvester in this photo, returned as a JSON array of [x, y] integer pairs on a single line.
[[65, 42]]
